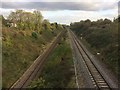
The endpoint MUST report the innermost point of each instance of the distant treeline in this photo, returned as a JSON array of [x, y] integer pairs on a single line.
[[102, 36], [23, 20]]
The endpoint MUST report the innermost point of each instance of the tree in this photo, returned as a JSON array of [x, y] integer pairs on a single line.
[[107, 21], [16, 18], [3, 21], [38, 20], [46, 24], [27, 20]]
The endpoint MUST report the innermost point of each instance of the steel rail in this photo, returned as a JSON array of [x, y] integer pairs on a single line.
[[88, 65]]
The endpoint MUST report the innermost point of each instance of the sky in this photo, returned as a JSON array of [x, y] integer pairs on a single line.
[[65, 11]]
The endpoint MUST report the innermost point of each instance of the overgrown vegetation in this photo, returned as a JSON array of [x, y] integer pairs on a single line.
[[58, 71], [102, 37], [23, 40]]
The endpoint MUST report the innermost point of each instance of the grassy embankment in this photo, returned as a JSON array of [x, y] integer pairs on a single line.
[[19, 49], [58, 71]]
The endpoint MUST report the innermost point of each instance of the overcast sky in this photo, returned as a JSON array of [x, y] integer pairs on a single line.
[[65, 11]]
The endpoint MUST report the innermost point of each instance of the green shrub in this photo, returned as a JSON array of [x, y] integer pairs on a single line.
[[34, 35], [39, 83]]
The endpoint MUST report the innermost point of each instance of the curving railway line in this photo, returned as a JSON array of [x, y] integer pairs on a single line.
[[97, 78]]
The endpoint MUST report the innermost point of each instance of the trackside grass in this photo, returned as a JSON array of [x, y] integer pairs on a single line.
[[58, 71]]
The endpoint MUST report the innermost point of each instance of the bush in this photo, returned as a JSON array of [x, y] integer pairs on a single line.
[[34, 35]]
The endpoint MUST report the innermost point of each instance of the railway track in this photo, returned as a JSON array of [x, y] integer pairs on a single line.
[[98, 80], [35, 69]]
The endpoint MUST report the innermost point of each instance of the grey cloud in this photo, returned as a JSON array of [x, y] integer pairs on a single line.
[[57, 6], [119, 8]]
